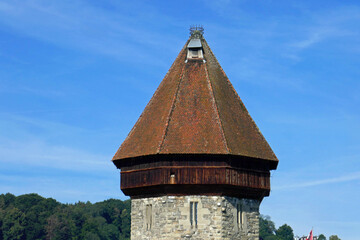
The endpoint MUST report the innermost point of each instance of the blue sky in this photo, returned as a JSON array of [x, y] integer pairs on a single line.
[[76, 75]]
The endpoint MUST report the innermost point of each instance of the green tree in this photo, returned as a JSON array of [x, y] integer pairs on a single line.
[[2, 215], [6, 200], [58, 227], [285, 232], [321, 237], [30, 216], [334, 237], [267, 227], [13, 225], [26, 201], [109, 232], [91, 236], [125, 223], [272, 237], [93, 225]]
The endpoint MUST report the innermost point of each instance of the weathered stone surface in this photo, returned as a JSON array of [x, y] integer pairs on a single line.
[[218, 217]]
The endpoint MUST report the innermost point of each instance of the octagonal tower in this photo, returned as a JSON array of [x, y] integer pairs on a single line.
[[195, 164]]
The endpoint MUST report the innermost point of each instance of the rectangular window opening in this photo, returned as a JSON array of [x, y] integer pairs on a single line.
[[191, 213], [148, 218], [239, 217], [195, 213], [195, 53]]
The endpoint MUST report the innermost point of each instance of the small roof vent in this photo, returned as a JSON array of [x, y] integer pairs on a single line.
[[194, 50]]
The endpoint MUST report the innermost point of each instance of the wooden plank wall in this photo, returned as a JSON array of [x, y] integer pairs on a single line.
[[195, 175]]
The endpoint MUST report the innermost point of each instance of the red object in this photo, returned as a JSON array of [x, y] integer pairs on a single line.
[[310, 236]]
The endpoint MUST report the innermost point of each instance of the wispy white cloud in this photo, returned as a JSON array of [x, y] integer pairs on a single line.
[[319, 34], [218, 6], [346, 178], [70, 188], [18, 88], [314, 38], [39, 153], [329, 24], [347, 223], [83, 26], [19, 145], [32, 163]]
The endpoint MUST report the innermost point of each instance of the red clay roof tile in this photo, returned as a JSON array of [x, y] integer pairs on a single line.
[[195, 110]]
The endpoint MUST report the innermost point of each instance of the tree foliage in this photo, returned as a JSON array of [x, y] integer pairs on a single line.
[[285, 232], [321, 237], [31, 216], [267, 228], [268, 231]]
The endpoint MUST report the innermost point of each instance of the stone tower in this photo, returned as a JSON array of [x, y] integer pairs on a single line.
[[195, 164]]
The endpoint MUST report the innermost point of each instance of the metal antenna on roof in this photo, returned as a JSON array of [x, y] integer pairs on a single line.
[[196, 31]]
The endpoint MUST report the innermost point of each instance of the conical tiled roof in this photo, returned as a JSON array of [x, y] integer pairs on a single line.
[[195, 110]]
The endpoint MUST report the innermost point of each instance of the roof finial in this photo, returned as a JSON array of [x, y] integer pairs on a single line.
[[196, 31]]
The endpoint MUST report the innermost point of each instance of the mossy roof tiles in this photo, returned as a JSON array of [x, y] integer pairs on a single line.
[[195, 110]]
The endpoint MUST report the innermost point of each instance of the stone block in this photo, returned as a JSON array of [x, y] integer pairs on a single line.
[[217, 217]]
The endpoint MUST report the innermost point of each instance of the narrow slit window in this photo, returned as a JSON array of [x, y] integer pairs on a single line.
[[239, 215], [242, 216], [193, 214], [148, 218]]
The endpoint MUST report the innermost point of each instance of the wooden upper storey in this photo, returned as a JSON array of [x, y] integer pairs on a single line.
[[196, 174]]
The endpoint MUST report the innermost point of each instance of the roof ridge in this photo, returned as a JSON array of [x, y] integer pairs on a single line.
[[216, 108], [151, 100], [171, 110], [237, 95], [194, 110]]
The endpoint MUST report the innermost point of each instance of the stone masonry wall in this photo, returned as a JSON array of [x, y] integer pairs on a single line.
[[217, 217]]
